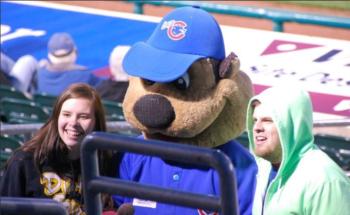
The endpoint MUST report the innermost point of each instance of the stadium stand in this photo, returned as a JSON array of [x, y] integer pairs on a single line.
[[22, 111], [8, 144], [114, 110], [11, 92], [45, 100]]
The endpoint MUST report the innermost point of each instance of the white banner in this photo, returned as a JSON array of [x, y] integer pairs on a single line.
[[319, 65]]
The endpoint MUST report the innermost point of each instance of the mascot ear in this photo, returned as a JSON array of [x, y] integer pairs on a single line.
[[229, 66]]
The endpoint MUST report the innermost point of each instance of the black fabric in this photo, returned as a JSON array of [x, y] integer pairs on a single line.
[[21, 178], [112, 90]]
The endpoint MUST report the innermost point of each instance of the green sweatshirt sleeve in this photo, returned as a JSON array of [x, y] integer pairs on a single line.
[[330, 198]]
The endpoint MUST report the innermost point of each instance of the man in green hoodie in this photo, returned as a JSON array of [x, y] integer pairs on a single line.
[[295, 176]]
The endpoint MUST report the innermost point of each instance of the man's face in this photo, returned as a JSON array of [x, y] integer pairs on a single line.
[[266, 137]]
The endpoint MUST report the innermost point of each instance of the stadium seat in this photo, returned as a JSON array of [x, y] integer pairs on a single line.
[[243, 139], [19, 111], [114, 110], [45, 100], [11, 92], [7, 146], [338, 148]]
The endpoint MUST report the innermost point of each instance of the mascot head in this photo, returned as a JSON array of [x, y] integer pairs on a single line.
[[182, 87]]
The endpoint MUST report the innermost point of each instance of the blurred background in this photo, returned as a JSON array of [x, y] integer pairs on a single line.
[[303, 41]]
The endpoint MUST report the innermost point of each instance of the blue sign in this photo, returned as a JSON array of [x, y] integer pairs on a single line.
[[26, 29]]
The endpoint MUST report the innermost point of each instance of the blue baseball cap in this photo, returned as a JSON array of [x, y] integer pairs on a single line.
[[183, 36], [60, 44]]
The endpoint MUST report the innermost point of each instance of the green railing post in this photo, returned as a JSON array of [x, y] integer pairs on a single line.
[[138, 7], [278, 25]]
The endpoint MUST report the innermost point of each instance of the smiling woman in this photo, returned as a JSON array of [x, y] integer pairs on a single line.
[[75, 121], [48, 165]]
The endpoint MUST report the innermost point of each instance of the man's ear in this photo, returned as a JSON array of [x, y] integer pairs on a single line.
[[229, 66]]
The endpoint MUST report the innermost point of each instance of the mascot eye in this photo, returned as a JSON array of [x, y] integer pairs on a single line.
[[148, 82], [183, 82]]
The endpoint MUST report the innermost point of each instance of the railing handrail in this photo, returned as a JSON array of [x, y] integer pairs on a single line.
[[278, 17], [94, 184], [24, 205]]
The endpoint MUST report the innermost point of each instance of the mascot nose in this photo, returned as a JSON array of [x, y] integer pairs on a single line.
[[154, 111]]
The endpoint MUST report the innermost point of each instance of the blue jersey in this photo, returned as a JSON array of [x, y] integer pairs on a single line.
[[54, 83], [156, 171]]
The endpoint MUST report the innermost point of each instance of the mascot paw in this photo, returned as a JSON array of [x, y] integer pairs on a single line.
[[125, 209]]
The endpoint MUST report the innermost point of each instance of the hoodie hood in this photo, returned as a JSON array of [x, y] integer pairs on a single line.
[[292, 113]]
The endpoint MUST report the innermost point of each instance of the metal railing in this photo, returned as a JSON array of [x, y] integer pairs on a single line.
[[37, 206], [94, 184], [331, 123], [278, 17]]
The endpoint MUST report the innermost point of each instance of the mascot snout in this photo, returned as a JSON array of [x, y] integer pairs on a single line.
[[154, 111]]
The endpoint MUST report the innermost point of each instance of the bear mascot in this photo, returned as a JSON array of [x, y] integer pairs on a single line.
[[183, 89]]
